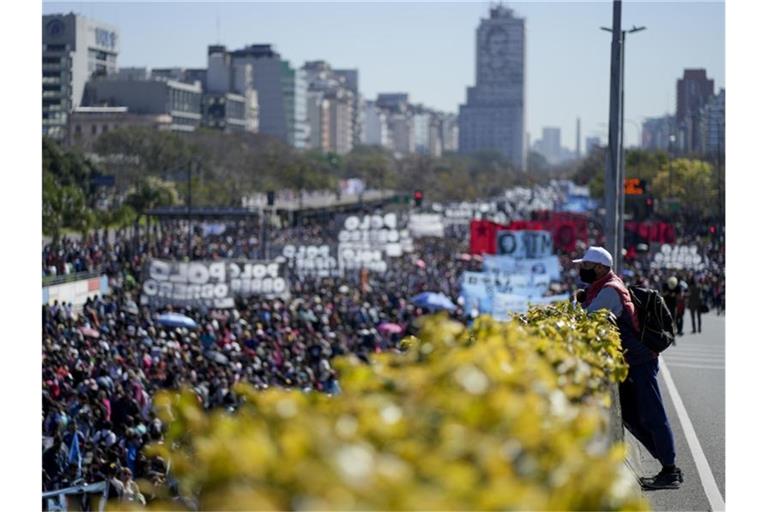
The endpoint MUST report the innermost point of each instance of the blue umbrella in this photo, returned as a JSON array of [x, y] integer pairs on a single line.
[[433, 301], [176, 320]]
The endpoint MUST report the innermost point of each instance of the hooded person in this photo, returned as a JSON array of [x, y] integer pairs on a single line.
[[642, 409]]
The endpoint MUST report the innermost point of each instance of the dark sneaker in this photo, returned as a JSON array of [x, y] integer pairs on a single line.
[[666, 479]]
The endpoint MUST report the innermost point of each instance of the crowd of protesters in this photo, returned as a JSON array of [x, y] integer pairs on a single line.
[[103, 363]]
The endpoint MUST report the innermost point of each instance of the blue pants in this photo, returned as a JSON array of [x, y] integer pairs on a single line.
[[643, 411]]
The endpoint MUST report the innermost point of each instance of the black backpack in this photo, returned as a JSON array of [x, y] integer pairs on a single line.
[[657, 326]]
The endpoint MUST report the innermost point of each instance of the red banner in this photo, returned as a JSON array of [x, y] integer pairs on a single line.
[[647, 232], [565, 232]]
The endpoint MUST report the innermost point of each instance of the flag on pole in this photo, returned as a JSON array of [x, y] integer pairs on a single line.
[[74, 453]]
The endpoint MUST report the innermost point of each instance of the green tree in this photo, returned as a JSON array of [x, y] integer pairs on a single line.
[[690, 183], [150, 193]]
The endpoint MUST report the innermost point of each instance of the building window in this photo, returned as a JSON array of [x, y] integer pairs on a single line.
[[78, 129], [51, 60], [104, 128], [93, 129]]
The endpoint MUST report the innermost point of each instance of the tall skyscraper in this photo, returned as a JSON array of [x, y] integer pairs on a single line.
[[693, 92], [493, 117], [74, 49]]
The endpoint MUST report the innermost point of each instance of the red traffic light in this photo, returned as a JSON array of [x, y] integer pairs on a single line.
[[418, 195], [712, 229]]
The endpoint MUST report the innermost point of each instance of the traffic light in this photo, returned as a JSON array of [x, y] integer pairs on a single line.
[[712, 230], [418, 197], [270, 198], [649, 203]]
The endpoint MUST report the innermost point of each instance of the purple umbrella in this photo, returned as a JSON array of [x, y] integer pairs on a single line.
[[390, 328]]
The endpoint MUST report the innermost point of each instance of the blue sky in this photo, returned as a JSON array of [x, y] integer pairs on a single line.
[[427, 49]]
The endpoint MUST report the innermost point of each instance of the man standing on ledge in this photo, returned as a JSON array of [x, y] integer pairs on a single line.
[[642, 409]]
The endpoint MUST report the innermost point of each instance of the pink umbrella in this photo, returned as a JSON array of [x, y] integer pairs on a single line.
[[390, 328], [420, 263], [89, 331], [465, 257]]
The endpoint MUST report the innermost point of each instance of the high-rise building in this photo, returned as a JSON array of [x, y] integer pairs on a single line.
[[449, 132], [295, 97], [493, 118], [550, 144], [713, 122], [75, 48], [659, 133], [693, 92], [338, 89], [281, 91], [375, 131], [227, 86], [399, 121], [591, 143]]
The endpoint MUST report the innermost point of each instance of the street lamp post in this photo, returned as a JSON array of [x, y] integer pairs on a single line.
[[614, 172]]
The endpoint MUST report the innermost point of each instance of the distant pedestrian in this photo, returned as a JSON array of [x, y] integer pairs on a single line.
[[695, 303], [672, 293], [642, 409]]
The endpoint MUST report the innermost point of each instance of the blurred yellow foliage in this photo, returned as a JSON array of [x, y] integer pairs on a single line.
[[497, 416]]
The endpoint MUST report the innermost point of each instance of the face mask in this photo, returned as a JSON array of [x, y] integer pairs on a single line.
[[587, 275]]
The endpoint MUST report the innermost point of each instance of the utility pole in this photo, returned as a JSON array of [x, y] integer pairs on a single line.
[[189, 211], [614, 166]]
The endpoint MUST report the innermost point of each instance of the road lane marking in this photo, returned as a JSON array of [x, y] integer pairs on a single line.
[[700, 366], [694, 359], [714, 497]]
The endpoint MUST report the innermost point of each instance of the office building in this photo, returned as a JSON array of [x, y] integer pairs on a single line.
[[493, 117], [659, 133], [375, 131], [338, 89], [281, 91], [149, 97], [693, 92], [713, 123], [75, 48]]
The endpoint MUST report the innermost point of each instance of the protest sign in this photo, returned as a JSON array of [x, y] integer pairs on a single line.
[[210, 284], [679, 257], [316, 260], [507, 282], [355, 258], [524, 243], [426, 224], [549, 265]]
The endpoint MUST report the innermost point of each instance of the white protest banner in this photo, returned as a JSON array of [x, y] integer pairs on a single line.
[[211, 284], [352, 258], [426, 224], [374, 230], [311, 260], [679, 257], [524, 243], [507, 282], [549, 265]]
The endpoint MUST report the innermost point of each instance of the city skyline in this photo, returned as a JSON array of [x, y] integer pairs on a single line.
[[437, 69]]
